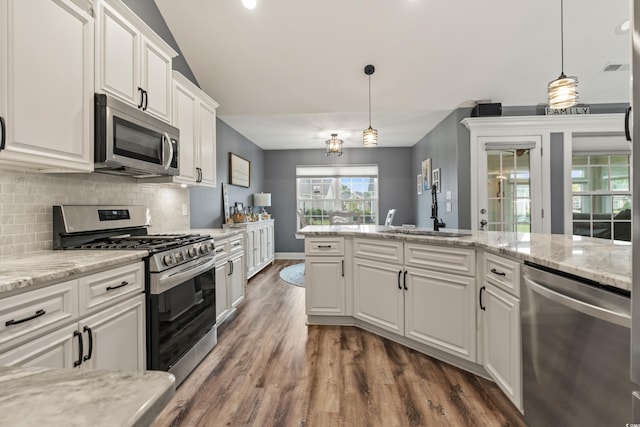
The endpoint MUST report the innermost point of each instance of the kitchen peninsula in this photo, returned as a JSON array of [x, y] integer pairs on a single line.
[[452, 294]]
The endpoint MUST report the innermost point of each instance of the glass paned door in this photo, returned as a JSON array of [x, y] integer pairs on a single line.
[[509, 200]]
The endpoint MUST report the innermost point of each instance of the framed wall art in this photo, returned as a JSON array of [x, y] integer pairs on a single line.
[[239, 171], [426, 174], [435, 179], [419, 183]]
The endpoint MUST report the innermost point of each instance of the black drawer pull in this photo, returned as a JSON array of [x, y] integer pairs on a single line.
[[324, 246], [90, 335], [80, 349], [499, 273], [121, 285], [39, 313]]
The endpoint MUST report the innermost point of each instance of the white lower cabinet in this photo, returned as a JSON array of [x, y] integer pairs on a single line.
[[48, 327], [325, 285], [230, 275], [259, 244], [500, 310]]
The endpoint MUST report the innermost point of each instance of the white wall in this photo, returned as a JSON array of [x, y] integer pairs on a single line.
[[26, 200]]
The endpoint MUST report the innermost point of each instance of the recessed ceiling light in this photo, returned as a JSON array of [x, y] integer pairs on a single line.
[[249, 4], [623, 27]]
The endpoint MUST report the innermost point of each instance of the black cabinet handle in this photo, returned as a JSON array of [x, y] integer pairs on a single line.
[[499, 273], [141, 92], [121, 285], [627, 128], [3, 129], [482, 307], [230, 263], [399, 275], [405, 280], [324, 246], [145, 95], [39, 313], [80, 349], [342, 268], [90, 335]]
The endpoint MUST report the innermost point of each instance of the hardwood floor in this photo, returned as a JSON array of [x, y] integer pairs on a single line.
[[271, 369]]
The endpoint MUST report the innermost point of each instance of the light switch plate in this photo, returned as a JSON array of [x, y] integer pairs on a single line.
[[448, 195], [448, 206], [185, 211]]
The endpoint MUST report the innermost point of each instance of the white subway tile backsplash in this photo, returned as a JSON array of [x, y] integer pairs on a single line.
[[27, 199]]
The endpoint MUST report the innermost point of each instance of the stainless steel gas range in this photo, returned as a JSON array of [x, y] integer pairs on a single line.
[[180, 278]]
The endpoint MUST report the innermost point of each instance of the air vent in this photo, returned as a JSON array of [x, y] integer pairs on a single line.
[[609, 67]]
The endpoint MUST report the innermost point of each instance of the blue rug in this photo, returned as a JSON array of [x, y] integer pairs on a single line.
[[294, 274]]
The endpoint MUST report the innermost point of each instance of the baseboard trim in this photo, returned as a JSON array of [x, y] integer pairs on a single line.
[[289, 255]]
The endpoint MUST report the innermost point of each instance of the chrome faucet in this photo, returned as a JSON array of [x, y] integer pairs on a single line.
[[437, 222]]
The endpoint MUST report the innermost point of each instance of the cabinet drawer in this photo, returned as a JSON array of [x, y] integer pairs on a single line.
[[441, 258], [99, 290], [29, 314], [221, 248], [235, 244], [324, 246], [381, 250], [502, 272]]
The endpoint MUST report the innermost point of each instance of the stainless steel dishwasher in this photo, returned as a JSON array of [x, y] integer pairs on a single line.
[[575, 351]]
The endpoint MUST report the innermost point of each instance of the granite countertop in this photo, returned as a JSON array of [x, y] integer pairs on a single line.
[[597, 259], [217, 233], [82, 397], [18, 272]]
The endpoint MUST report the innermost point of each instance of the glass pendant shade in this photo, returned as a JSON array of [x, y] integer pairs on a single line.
[[563, 92], [370, 137], [334, 145]]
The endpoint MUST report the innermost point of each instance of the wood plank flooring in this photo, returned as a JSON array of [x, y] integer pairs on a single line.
[[271, 369]]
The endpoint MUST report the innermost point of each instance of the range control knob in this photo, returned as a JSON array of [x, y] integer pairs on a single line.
[[193, 252], [203, 249], [179, 256], [167, 260]]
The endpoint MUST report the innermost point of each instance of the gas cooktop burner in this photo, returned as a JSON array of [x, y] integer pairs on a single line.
[[152, 242]]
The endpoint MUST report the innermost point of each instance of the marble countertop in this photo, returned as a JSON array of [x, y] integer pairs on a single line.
[[596, 259], [19, 272], [218, 233], [82, 397]]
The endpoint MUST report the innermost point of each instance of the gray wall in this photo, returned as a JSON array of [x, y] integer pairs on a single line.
[[148, 11], [396, 185], [206, 203], [447, 145]]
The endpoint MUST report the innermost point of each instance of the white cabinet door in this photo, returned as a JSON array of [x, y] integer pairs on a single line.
[[222, 296], [440, 311], [184, 118], [502, 349], [46, 84], [235, 280], [325, 286], [54, 350], [115, 337], [207, 144], [379, 294], [119, 65], [156, 80]]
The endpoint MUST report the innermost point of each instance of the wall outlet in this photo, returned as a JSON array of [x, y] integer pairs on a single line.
[[448, 197], [185, 210], [448, 206]]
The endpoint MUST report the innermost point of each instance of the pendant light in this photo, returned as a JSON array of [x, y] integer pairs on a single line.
[[370, 135], [334, 145], [563, 91]]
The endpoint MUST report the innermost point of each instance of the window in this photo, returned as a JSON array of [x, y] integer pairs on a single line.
[[323, 189], [601, 194]]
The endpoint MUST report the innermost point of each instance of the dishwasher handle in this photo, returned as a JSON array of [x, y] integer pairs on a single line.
[[601, 313]]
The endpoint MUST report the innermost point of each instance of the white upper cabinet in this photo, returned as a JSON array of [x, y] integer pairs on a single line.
[[132, 62], [46, 84], [194, 113]]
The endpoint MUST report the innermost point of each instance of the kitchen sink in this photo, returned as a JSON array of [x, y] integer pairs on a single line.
[[432, 233]]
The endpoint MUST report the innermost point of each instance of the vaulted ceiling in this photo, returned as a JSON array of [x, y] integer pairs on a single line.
[[289, 73]]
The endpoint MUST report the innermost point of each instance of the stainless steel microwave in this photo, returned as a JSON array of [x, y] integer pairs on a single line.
[[131, 142]]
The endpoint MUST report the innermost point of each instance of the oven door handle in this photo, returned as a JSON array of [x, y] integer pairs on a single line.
[[168, 281]]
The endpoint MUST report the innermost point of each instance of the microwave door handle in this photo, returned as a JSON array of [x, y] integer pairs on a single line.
[[166, 141]]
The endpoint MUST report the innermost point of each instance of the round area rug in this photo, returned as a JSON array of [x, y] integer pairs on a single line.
[[294, 274]]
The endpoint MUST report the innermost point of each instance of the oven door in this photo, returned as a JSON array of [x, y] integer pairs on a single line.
[[182, 310]]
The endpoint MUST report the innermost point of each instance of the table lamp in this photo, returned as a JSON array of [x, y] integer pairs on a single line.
[[262, 200]]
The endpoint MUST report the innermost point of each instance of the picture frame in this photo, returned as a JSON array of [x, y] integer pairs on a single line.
[[239, 171], [239, 207], [426, 174], [419, 183], [225, 203], [435, 179]]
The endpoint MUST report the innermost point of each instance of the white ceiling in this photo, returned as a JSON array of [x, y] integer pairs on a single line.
[[290, 72]]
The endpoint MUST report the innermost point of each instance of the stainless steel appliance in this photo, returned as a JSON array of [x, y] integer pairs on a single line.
[[635, 144], [129, 141], [180, 278], [575, 350]]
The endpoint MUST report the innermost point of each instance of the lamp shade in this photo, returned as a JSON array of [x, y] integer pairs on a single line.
[[262, 199]]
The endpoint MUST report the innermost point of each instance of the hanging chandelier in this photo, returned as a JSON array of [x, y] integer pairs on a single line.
[[370, 135], [334, 145], [563, 91]]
